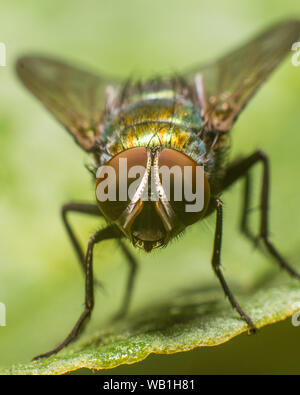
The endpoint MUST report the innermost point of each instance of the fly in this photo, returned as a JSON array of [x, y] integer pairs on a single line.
[[182, 120]]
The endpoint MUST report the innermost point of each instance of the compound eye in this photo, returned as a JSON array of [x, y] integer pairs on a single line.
[[115, 178], [188, 190]]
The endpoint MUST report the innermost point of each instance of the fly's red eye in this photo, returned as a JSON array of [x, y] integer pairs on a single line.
[[115, 179], [188, 190]]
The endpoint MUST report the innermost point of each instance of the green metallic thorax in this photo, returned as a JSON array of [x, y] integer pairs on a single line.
[[154, 119]]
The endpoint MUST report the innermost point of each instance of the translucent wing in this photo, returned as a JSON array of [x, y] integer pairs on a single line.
[[224, 87], [75, 97]]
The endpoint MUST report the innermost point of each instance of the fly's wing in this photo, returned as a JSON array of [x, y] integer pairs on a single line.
[[76, 98], [224, 87]]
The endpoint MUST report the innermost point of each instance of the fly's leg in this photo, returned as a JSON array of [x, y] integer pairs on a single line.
[[133, 266], [216, 263], [244, 225], [84, 208], [103, 234], [240, 169], [92, 209]]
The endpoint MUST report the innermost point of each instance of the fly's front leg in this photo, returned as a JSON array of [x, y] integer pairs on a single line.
[[83, 208], [216, 263], [108, 233], [92, 209], [240, 169], [133, 266]]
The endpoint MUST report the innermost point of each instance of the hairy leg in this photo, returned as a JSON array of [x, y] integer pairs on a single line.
[[216, 263], [235, 171], [108, 233], [92, 209], [83, 208]]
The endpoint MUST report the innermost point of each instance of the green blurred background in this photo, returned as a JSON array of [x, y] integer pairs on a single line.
[[41, 168]]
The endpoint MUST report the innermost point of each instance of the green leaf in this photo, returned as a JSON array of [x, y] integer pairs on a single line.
[[192, 319]]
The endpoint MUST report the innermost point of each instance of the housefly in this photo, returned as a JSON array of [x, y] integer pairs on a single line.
[[181, 120]]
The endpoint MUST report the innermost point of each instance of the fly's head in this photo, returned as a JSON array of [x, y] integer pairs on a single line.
[[152, 194]]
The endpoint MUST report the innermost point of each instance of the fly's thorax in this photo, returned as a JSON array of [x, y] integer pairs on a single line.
[[155, 119], [152, 194]]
